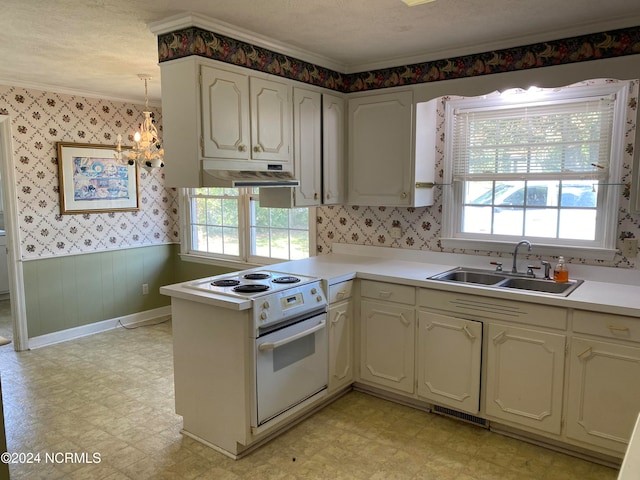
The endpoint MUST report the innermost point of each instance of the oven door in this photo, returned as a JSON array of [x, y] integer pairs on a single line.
[[291, 366]]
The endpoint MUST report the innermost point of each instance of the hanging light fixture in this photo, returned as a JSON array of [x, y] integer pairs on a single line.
[[147, 151]]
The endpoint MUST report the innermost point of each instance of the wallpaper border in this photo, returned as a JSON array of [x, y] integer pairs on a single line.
[[198, 41]]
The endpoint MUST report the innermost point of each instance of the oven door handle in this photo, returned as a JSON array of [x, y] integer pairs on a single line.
[[272, 346]]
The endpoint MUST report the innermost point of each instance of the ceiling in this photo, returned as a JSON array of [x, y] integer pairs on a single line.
[[97, 47]]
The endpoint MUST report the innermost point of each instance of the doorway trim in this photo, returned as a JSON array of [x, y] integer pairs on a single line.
[[14, 259]]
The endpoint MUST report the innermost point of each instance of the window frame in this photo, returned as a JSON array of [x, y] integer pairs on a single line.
[[604, 247], [245, 259]]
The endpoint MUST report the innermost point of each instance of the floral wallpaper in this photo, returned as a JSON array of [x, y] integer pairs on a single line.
[[39, 119], [421, 226], [197, 41]]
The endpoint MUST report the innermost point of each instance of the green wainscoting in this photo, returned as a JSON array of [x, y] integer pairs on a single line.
[[71, 291], [188, 270]]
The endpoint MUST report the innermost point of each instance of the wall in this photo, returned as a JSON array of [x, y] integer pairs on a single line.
[[421, 226], [83, 268], [40, 119], [76, 290]]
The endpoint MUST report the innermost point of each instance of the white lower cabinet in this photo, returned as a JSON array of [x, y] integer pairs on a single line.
[[340, 345], [525, 374], [387, 345], [449, 361], [604, 393]]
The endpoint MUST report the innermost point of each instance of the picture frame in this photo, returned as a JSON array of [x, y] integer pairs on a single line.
[[93, 181]]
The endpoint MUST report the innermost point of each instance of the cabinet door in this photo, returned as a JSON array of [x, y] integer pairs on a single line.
[[525, 376], [307, 146], [340, 345], [225, 114], [270, 121], [380, 150], [604, 393], [387, 348], [333, 136], [449, 353]]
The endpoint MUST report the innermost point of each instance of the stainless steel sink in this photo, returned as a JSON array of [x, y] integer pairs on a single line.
[[469, 276], [503, 280], [541, 285]]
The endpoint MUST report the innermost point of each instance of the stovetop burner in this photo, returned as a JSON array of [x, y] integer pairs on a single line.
[[286, 279], [226, 282], [251, 288], [251, 284], [256, 276]]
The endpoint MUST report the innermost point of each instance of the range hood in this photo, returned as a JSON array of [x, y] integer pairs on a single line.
[[271, 176]]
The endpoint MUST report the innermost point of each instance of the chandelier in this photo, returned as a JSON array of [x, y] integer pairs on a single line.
[[147, 151]]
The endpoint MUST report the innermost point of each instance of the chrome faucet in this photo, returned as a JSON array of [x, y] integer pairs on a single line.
[[514, 269]]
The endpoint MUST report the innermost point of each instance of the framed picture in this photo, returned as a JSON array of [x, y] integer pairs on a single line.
[[93, 181]]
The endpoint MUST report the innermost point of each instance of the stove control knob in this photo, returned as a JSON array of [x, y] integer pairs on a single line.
[[265, 305], [263, 316], [319, 298], [313, 291]]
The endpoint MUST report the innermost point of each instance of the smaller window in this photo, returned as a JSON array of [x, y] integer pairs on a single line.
[[279, 232], [229, 224]]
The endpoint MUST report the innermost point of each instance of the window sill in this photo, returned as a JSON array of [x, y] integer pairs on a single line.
[[229, 262], [590, 253], [218, 262]]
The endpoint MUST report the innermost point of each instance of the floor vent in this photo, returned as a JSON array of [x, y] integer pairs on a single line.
[[465, 417]]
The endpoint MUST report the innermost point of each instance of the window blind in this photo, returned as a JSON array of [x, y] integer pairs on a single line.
[[563, 140]]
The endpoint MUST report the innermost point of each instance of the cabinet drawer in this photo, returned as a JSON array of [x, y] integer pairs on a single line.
[[388, 291], [477, 306], [340, 291], [607, 325]]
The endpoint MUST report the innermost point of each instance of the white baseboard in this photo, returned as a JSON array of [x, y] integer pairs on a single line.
[[97, 327]]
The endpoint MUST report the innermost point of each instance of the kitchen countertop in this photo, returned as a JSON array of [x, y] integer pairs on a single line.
[[387, 265]]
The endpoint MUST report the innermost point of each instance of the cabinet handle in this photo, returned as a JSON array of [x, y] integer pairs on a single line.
[[258, 148], [618, 329], [242, 148], [403, 195], [315, 196], [384, 293], [272, 346], [341, 293]]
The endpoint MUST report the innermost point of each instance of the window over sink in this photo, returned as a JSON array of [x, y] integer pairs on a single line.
[[541, 164], [229, 224]]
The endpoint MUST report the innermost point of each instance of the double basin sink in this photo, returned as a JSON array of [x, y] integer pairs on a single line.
[[503, 280]]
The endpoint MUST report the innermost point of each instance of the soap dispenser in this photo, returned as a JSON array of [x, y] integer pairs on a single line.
[[560, 273]]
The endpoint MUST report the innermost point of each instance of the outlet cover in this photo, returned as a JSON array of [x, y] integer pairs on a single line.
[[630, 247], [396, 232]]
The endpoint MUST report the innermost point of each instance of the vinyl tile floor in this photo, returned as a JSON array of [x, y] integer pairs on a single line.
[[101, 407]]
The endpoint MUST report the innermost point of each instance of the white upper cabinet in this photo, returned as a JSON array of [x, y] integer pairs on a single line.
[[307, 146], [244, 117], [270, 120], [225, 114], [333, 149], [391, 150], [224, 119], [318, 150]]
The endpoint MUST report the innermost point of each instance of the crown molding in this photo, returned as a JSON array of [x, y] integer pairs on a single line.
[[191, 19], [512, 42]]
